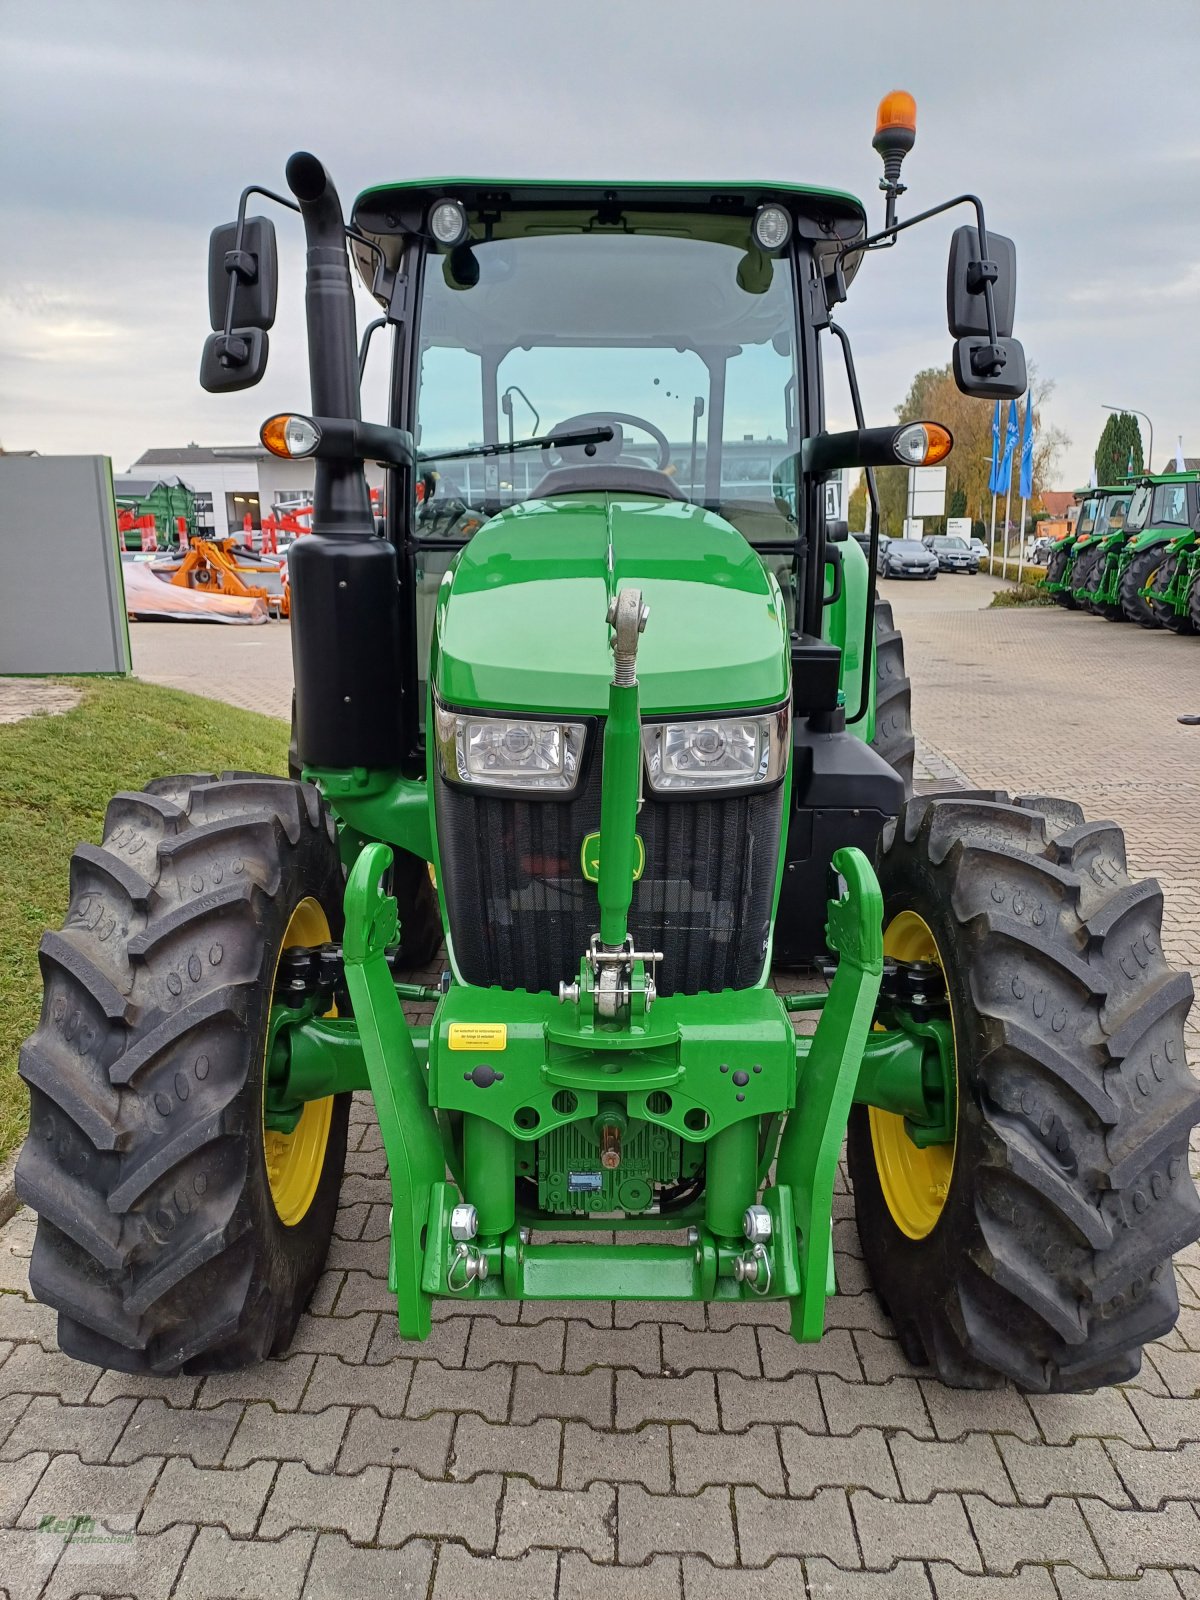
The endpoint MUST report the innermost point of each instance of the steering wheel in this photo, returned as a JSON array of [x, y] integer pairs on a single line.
[[608, 450]]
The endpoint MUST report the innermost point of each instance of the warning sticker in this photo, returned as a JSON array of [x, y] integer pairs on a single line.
[[478, 1036]]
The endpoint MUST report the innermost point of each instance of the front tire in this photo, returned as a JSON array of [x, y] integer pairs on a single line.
[[1139, 572], [1048, 1257], [1056, 569], [174, 1232], [1194, 604], [1166, 615], [1083, 579]]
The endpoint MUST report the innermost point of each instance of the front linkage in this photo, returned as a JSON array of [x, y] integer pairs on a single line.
[[725, 1077]]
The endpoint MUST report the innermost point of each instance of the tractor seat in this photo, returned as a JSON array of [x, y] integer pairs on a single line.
[[607, 478]]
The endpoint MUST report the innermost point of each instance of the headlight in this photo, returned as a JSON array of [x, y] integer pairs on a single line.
[[508, 753], [717, 752]]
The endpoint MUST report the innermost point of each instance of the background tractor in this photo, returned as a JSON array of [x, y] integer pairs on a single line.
[[1060, 564], [1098, 553], [1156, 580], [568, 676]]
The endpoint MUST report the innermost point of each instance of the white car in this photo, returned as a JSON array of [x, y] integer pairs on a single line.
[[977, 547]]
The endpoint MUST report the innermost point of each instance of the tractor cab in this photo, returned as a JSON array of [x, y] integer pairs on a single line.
[[598, 375]]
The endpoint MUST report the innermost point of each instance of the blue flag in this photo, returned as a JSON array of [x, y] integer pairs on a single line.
[[1011, 434], [1027, 451], [994, 474]]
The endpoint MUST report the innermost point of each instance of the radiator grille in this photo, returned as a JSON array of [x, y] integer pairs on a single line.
[[521, 912]]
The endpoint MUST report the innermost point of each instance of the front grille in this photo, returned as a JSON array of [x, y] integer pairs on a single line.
[[522, 913]]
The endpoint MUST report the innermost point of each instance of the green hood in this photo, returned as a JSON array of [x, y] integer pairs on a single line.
[[521, 614]]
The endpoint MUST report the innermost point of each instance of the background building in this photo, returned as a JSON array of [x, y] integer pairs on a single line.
[[231, 482]]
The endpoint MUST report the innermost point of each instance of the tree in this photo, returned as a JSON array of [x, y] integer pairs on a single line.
[[958, 502], [934, 396], [856, 506], [1120, 443]]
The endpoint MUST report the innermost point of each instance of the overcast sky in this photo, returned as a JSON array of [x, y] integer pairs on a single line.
[[128, 128]]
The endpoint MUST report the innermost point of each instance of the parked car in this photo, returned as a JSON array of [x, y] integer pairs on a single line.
[[884, 542], [907, 558], [977, 546], [953, 554]]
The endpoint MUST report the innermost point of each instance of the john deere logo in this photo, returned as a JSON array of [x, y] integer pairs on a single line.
[[589, 857]]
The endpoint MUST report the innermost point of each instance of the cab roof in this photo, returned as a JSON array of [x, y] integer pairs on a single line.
[[1136, 481], [388, 214]]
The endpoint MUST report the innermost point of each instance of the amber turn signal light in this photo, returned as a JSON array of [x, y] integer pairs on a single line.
[[922, 444], [290, 436]]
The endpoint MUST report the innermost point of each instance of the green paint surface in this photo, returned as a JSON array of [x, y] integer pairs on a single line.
[[521, 618]]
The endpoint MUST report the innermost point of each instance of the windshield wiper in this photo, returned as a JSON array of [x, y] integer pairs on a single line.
[[583, 436]]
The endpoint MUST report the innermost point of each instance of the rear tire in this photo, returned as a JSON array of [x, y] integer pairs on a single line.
[[1049, 1263], [158, 1239], [1143, 567], [893, 739]]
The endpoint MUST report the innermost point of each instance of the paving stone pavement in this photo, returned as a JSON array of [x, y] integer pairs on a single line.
[[635, 1452]]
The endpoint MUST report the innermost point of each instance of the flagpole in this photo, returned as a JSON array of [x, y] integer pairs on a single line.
[[994, 483], [1021, 543], [1007, 505]]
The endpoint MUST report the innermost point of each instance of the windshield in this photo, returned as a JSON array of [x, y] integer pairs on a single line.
[[1112, 514], [907, 545], [681, 340], [949, 544], [1170, 505]]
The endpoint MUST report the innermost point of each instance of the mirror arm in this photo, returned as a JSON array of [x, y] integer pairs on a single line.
[[364, 347], [868, 650], [237, 262], [885, 239], [236, 259]]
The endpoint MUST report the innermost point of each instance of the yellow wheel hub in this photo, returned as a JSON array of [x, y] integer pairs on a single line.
[[915, 1182], [296, 1160]]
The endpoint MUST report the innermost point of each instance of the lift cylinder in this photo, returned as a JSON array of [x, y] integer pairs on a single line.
[[346, 651]]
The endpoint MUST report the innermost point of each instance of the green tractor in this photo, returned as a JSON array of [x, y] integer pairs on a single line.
[[1158, 584], [1139, 527], [1098, 555], [1060, 565], [565, 677]]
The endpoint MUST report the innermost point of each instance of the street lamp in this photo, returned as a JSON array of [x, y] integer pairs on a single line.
[[1135, 413]]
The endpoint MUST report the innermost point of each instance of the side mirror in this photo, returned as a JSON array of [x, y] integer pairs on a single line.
[[983, 369], [254, 269], [966, 274], [837, 530], [233, 361], [990, 371]]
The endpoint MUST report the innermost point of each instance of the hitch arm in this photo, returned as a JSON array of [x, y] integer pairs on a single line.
[[812, 1139], [415, 1155]]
